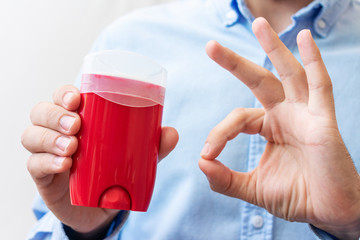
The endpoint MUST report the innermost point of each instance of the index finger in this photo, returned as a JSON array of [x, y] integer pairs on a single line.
[[264, 85], [245, 120]]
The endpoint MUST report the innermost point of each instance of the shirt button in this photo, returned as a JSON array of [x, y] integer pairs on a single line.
[[231, 15], [257, 221], [321, 23]]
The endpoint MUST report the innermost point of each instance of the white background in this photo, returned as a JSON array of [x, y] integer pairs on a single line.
[[42, 43]]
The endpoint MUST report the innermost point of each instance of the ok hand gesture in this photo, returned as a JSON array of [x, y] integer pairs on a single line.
[[305, 173]]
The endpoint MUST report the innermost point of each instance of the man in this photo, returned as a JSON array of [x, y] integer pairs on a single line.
[[305, 174]]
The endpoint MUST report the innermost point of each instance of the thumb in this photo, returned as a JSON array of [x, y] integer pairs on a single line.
[[169, 139], [229, 182]]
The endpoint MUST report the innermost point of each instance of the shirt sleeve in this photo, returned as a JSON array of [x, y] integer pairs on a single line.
[[322, 235], [48, 227]]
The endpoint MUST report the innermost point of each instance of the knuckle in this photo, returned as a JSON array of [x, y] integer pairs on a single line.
[[51, 114], [35, 111], [263, 77], [267, 75], [237, 117], [238, 112], [290, 74], [226, 190], [45, 114], [218, 135], [69, 102], [217, 188], [43, 138], [222, 130], [233, 66], [301, 72], [70, 88], [214, 188], [327, 86], [59, 91], [254, 84], [216, 131], [38, 166], [58, 94], [284, 76]]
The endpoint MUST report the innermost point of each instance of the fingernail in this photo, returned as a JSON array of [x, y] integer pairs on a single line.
[[66, 122], [205, 150], [67, 98], [63, 142], [58, 161]]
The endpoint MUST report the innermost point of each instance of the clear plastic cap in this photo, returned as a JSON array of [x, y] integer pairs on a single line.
[[124, 77]]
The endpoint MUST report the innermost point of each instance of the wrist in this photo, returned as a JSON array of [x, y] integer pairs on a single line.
[[347, 224], [346, 233]]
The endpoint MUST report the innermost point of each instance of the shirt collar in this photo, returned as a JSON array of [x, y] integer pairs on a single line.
[[233, 11]]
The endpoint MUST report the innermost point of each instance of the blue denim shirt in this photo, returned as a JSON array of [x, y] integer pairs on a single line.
[[200, 94]]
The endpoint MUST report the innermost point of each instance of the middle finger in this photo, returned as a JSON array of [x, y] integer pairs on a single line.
[[291, 73], [52, 116]]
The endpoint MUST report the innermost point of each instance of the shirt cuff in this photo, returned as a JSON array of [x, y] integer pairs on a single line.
[[47, 228], [322, 235], [117, 225], [113, 230]]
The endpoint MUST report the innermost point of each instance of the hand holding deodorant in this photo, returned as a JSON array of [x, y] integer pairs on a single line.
[[122, 97]]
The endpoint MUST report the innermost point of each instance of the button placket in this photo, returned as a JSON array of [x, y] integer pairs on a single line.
[[254, 218]]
